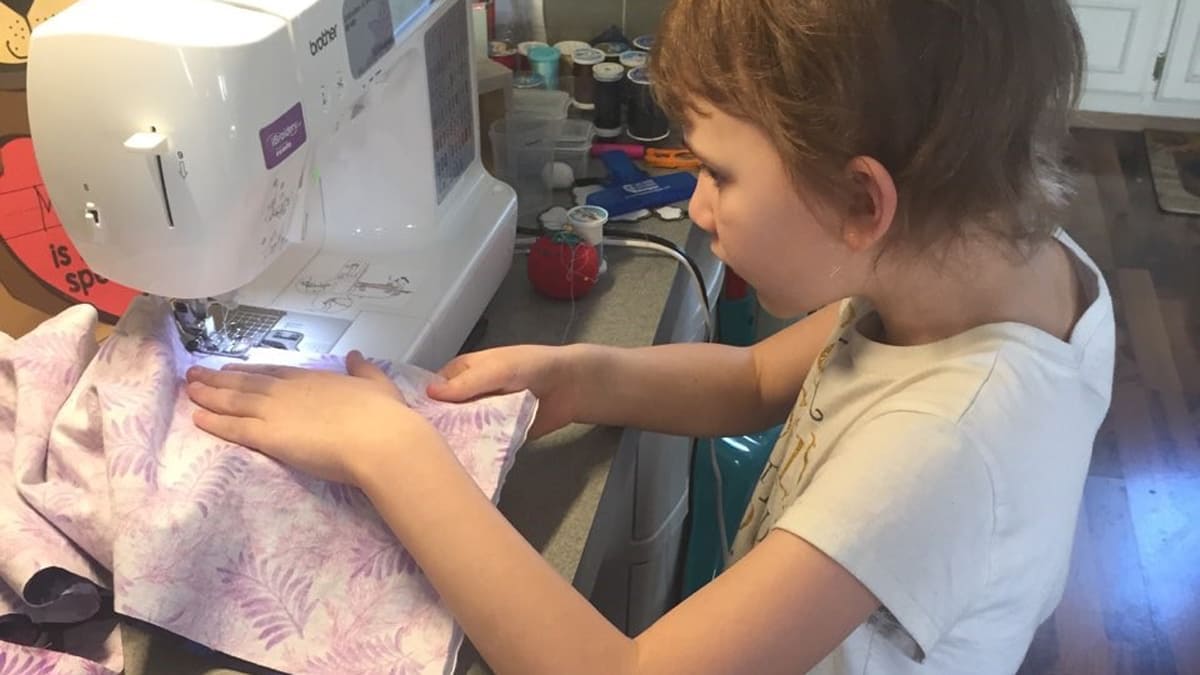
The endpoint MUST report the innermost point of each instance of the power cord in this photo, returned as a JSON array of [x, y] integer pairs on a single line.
[[719, 488]]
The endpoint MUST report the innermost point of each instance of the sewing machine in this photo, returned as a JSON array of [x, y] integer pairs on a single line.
[[294, 174]]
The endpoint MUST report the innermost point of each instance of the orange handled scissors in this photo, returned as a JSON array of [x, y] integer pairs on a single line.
[[671, 158]]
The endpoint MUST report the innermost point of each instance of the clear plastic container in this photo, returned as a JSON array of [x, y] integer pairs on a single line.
[[574, 145], [546, 103], [522, 147]]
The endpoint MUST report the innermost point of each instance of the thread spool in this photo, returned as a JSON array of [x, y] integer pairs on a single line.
[[588, 222], [608, 77], [633, 59], [566, 52], [629, 60], [543, 60], [523, 53], [647, 122], [612, 50], [581, 70], [503, 53], [643, 43]]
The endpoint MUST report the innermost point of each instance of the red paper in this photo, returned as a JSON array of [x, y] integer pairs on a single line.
[[32, 231]]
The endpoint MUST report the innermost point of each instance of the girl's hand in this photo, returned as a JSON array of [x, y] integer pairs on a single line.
[[548, 372], [332, 426]]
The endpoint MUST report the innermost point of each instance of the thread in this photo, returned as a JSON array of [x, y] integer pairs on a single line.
[[581, 71], [608, 77], [647, 122], [566, 54], [633, 59], [544, 61], [523, 53], [612, 50]]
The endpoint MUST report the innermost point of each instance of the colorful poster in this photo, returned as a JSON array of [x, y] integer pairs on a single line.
[[29, 228]]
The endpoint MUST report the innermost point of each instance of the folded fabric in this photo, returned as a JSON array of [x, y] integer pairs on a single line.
[[109, 493]]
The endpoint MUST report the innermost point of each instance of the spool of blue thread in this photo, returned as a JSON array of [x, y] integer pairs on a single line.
[[544, 61]]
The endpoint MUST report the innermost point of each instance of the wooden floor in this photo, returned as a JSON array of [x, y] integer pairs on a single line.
[[1132, 604]]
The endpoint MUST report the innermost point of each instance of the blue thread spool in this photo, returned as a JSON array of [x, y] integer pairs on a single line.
[[544, 61]]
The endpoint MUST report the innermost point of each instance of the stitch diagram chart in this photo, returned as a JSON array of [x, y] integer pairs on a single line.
[[352, 285]]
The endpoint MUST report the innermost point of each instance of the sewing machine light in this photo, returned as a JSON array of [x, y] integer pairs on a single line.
[[146, 143]]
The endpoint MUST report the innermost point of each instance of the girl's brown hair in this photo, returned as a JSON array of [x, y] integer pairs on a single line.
[[965, 102]]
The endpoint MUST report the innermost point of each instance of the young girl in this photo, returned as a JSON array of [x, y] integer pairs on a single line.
[[918, 511]]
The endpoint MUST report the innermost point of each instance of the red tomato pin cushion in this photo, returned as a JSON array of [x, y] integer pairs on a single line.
[[563, 266]]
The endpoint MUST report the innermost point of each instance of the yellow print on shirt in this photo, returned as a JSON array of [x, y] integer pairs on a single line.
[[849, 315], [800, 448], [823, 359]]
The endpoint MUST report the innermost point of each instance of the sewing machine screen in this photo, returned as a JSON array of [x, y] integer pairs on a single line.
[[371, 27], [368, 32], [404, 11]]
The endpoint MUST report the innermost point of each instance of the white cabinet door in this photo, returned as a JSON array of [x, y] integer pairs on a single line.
[[1123, 38], [1181, 76]]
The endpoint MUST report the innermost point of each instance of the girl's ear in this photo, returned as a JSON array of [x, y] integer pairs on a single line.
[[873, 211]]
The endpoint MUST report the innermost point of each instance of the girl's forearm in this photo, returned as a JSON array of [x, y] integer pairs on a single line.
[[521, 615]]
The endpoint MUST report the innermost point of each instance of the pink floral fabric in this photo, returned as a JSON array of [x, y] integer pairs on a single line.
[[108, 492]]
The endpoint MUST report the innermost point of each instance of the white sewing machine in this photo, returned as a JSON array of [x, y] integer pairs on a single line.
[[313, 164]]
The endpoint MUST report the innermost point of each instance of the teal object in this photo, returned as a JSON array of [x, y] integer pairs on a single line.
[[737, 320], [741, 460], [737, 312], [544, 61]]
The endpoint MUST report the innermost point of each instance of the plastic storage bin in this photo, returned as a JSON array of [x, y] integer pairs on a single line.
[[522, 147], [551, 104], [574, 145]]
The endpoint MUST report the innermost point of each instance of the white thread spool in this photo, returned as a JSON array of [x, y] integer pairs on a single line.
[[588, 222]]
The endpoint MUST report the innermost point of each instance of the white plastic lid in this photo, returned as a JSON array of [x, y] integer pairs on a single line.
[[569, 47], [639, 76], [611, 48], [608, 72], [587, 215], [633, 59], [587, 56]]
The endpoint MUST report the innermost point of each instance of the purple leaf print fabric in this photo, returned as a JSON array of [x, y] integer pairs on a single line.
[[108, 492]]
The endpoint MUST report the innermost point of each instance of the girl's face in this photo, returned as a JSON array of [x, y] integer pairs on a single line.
[[787, 245]]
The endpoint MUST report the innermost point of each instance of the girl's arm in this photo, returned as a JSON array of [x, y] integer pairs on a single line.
[[782, 608]]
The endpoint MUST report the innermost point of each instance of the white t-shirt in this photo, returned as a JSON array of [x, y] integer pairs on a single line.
[[946, 478]]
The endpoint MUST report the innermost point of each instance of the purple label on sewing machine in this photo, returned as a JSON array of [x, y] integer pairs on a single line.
[[283, 136]]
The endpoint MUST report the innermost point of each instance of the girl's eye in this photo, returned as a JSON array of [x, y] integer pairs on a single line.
[[716, 178]]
